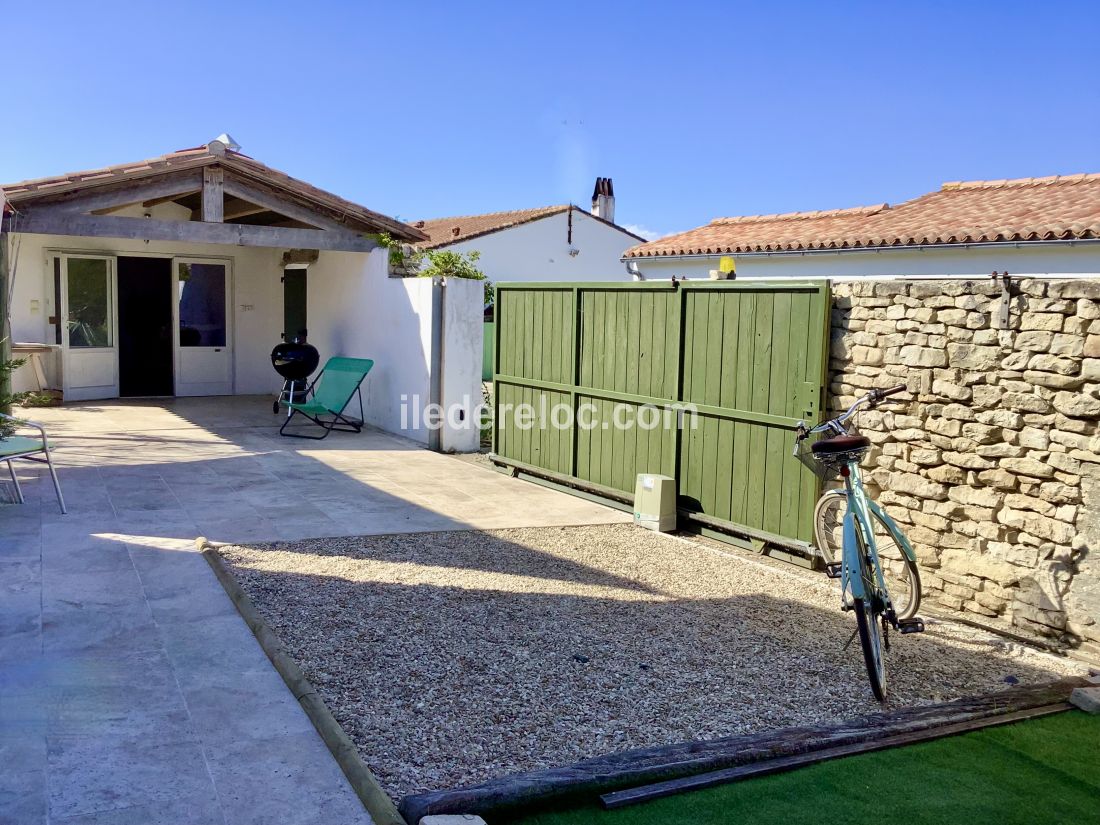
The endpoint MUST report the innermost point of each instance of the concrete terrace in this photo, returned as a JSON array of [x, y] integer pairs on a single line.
[[130, 689]]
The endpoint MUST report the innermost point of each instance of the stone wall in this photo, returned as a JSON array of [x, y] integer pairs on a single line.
[[991, 461]]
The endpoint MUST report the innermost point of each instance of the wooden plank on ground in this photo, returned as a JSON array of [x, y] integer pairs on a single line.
[[767, 767], [661, 763]]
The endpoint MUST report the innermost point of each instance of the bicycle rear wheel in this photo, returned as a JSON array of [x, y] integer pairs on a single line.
[[901, 575], [870, 639]]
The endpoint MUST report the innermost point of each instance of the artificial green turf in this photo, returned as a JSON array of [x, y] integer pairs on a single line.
[[1031, 773]]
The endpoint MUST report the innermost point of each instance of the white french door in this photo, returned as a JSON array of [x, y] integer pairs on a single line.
[[88, 316], [202, 316]]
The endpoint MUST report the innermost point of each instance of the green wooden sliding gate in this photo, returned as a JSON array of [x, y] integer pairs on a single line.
[[702, 381]]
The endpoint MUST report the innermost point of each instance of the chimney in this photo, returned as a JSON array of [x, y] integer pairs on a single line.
[[603, 199]]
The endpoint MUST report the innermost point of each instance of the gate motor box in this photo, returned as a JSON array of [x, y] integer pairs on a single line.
[[655, 502]]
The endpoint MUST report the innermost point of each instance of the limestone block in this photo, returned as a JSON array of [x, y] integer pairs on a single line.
[[952, 392], [985, 567], [917, 485], [1053, 380], [1041, 320], [1025, 402], [968, 461], [981, 433], [1045, 362], [871, 356], [978, 496], [943, 426], [952, 317], [976, 320], [1034, 340], [1007, 419], [971, 357], [1049, 305], [1057, 493], [998, 479], [1028, 467], [1036, 525], [1088, 309], [991, 602], [1075, 289], [1037, 505], [960, 412], [1075, 325], [946, 474], [1073, 425], [1034, 438], [1071, 346], [1077, 405], [925, 456], [959, 334]]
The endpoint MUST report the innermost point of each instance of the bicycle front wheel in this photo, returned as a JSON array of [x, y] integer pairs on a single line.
[[899, 572]]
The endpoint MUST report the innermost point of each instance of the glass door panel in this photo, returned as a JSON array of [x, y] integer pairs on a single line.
[[203, 327], [88, 332]]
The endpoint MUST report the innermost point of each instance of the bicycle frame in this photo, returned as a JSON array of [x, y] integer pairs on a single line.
[[852, 583], [891, 525]]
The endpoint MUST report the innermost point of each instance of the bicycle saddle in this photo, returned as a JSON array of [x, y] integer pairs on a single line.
[[840, 444]]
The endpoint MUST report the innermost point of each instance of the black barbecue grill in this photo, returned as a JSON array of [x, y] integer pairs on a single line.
[[295, 361]]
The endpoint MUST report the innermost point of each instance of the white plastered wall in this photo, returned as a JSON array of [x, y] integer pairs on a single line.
[[1052, 260], [356, 309], [539, 251], [256, 295]]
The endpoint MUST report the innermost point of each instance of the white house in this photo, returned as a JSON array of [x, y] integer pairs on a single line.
[[1043, 227], [177, 275], [548, 243]]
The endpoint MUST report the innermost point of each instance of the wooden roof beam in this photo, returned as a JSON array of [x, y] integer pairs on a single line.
[[56, 222], [213, 194], [125, 193]]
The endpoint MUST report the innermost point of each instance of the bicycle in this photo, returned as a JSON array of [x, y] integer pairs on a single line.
[[863, 577]]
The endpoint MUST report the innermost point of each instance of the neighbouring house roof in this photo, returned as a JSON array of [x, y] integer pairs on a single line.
[[447, 231], [357, 217], [1028, 209]]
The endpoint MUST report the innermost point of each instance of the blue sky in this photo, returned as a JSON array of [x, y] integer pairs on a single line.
[[695, 109]]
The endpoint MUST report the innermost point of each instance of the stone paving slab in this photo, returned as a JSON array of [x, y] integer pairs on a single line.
[[130, 689]]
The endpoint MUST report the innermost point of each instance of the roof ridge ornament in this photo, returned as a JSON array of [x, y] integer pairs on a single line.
[[221, 143]]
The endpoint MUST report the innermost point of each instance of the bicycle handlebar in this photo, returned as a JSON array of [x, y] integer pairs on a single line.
[[872, 398]]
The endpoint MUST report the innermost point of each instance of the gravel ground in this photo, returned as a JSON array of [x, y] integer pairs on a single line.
[[450, 658]]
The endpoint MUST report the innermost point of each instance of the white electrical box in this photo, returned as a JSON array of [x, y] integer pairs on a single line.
[[655, 502]]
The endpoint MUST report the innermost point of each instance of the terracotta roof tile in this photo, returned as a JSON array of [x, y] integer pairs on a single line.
[[1063, 207], [359, 217], [446, 231]]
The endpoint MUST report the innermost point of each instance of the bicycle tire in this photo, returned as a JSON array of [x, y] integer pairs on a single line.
[[870, 639], [824, 531], [869, 624]]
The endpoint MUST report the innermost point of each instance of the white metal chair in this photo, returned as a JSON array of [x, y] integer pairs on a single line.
[[32, 449]]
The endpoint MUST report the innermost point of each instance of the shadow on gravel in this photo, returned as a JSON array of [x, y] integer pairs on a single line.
[[473, 669]]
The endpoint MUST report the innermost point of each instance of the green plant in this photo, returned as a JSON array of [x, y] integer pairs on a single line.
[[445, 263], [403, 256], [441, 263], [6, 398]]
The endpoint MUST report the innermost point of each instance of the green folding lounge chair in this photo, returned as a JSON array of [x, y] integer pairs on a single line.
[[328, 396], [31, 448]]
